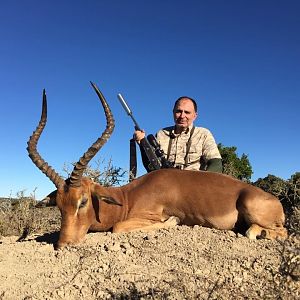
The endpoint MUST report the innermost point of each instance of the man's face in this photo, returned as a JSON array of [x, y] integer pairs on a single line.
[[184, 113]]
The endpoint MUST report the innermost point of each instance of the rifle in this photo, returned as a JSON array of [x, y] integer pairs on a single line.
[[150, 145]]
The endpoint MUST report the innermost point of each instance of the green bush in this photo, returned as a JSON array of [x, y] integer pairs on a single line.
[[288, 192], [238, 167]]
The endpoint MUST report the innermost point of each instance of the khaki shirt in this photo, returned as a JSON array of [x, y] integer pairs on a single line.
[[203, 147]]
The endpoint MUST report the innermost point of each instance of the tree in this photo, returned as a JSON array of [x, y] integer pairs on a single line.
[[233, 165], [288, 192], [274, 185], [105, 174], [294, 191]]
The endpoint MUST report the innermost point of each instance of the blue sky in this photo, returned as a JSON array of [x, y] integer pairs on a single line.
[[239, 59]]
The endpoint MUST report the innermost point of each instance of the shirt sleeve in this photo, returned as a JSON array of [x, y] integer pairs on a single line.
[[215, 165], [210, 147]]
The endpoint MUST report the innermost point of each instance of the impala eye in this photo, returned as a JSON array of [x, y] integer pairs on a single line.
[[83, 202]]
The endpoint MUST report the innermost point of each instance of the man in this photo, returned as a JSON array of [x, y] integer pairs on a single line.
[[186, 146]]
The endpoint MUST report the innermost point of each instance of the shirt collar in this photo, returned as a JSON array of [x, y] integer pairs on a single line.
[[187, 131]]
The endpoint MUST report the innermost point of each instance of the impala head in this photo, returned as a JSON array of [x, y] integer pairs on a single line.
[[76, 195]]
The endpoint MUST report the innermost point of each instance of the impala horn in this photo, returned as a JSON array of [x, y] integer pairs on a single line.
[[75, 178], [76, 175], [33, 153]]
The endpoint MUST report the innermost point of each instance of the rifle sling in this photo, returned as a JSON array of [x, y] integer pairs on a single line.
[[132, 160]]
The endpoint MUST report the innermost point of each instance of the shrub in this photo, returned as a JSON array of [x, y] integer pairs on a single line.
[[288, 192]]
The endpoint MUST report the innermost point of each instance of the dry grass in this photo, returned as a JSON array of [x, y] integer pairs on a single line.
[[20, 217]]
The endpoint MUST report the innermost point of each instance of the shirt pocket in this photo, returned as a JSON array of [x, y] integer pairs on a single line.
[[194, 153]]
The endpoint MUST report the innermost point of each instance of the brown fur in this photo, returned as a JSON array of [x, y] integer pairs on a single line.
[[168, 197]]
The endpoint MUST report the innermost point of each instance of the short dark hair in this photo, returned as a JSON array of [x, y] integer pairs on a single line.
[[185, 97]]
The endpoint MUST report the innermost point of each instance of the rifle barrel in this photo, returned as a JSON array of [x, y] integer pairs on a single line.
[[124, 104], [128, 111]]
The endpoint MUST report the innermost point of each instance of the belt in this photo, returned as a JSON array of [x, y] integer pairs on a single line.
[[180, 167]]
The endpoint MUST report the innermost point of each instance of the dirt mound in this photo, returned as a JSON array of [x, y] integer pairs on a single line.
[[175, 263]]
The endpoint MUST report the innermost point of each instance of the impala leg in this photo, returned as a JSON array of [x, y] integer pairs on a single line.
[[256, 231], [135, 224]]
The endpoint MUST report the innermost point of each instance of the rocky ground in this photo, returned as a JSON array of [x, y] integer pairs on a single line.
[[174, 263]]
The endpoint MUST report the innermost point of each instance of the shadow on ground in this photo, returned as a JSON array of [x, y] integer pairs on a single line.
[[49, 238]]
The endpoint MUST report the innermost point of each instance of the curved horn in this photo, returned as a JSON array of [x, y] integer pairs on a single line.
[[75, 178], [33, 153]]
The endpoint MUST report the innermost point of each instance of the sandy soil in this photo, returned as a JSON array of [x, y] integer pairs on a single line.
[[175, 263]]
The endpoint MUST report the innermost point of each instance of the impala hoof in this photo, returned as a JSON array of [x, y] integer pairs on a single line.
[[172, 221]]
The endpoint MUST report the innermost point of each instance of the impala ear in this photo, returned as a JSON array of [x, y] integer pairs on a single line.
[[97, 192], [108, 200], [49, 200]]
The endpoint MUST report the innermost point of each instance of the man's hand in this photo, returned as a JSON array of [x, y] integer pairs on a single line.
[[139, 135]]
